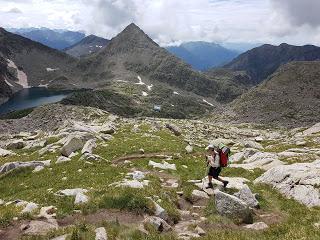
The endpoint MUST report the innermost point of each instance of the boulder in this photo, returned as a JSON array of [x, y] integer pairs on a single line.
[[197, 195], [15, 165], [2, 202], [176, 131], [299, 181], [48, 212], [131, 183], [63, 159], [312, 130], [237, 157], [108, 130], [89, 146], [101, 234], [72, 144], [163, 165], [252, 144], [232, 207], [158, 223], [189, 149], [36, 227], [38, 169], [4, 152], [63, 237], [30, 207], [160, 212], [260, 160], [234, 182], [247, 196], [17, 144], [257, 226], [78, 193]]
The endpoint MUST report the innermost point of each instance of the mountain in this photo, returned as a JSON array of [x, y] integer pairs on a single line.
[[203, 55], [290, 96], [88, 45], [25, 63], [262, 61], [57, 39], [240, 47]]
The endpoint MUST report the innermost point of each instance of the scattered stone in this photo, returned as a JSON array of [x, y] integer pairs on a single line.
[[141, 151], [258, 139], [312, 130], [15, 165], [4, 152], [101, 234], [232, 207], [176, 131], [316, 225], [72, 144], [17, 144], [257, 226], [137, 175], [248, 197], [160, 212], [48, 212], [198, 195], [200, 231], [301, 143], [163, 165], [63, 237], [89, 146], [299, 181], [36, 227], [237, 157], [30, 207], [234, 182], [158, 223], [79, 194], [262, 160], [189, 149], [108, 130], [2, 202], [252, 144], [38, 169]]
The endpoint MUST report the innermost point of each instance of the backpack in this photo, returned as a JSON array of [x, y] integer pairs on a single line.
[[224, 153]]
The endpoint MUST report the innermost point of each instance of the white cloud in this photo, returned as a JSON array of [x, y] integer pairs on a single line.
[[172, 21]]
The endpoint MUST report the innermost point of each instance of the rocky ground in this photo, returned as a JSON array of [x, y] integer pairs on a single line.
[[81, 173]]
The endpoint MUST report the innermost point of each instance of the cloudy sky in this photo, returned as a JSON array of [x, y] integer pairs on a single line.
[[174, 21]]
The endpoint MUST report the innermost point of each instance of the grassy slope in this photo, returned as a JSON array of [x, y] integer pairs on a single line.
[[296, 220]]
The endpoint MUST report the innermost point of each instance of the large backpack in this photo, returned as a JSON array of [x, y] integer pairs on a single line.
[[224, 153]]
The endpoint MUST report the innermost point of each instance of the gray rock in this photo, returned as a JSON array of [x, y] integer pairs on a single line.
[[101, 234], [176, 131], [232, 207], [237, 157], [78, 193], [72, 144], [248, 197], [17, 144], [252, 144], [158, 223], [4, 153], [312, 130], [63, 237], [62, 159], [15, 165], [30, 207], [36, 227], [257, 226], [299, 181], [89, 146], [189, 149], [197, 195], [108, 130]]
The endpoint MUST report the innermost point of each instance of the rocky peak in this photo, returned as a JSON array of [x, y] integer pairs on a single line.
[[130, 39]]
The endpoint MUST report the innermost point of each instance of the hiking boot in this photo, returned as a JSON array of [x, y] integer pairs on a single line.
[[225, 183], [210, 185]]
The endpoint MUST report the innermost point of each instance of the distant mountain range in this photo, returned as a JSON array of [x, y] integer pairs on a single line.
[[203, 55], [132, 74], [88, 45], [57, 39], [261, 62]]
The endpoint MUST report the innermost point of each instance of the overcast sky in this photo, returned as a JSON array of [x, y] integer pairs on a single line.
[[172, 21]]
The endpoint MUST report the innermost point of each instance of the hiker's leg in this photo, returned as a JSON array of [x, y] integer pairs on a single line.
[[210, 178]]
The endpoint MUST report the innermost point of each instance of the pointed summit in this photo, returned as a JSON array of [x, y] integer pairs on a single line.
[[131, 38]]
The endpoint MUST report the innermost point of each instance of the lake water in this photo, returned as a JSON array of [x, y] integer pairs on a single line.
[[32, 97]]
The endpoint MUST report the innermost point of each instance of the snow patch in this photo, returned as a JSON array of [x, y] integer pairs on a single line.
[[144, 94], [205, 101], [150, 87], [140, 81], [123, 81], [22, 77], [52, 69], [176, 93], [98, 46]]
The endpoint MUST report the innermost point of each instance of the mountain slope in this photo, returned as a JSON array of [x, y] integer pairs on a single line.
[[33, 64], [203, 55], [262, 61], [291, 96], [133, 53], [88, 45], [57, 39]]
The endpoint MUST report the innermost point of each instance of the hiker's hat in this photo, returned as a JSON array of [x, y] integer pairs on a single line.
[[211, 146]]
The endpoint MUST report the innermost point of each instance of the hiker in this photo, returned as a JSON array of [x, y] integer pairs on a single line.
[[213, 160]]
